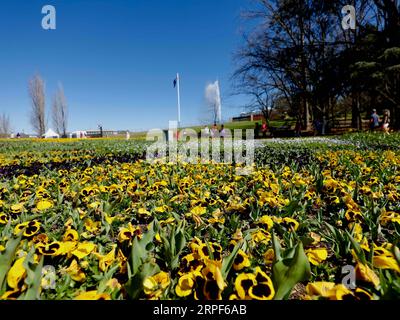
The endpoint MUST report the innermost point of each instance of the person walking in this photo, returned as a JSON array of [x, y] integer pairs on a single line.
[[374, 120], [264, 129], [222, 132], [214, 131], [386, 121], [317, 127], [297, 128], [206, 132]]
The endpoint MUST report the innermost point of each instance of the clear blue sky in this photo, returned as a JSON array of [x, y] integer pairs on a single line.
[[117, 59]]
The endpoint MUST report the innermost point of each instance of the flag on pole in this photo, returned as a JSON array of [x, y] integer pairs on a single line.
[[177, 86]]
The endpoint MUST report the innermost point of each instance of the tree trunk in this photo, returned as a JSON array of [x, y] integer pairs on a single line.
[[307, 118], [355, 113], [395, 121]]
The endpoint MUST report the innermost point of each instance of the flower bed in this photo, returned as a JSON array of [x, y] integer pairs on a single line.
[[129, 229]]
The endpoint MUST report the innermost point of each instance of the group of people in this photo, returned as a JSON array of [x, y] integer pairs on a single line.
[[215, 132], [376, 123], [261, 131]]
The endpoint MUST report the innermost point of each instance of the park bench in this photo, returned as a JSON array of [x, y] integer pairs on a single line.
[[342, 126]]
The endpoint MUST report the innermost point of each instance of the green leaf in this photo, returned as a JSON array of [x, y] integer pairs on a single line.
[[34, 276], [173, 244], [139, 252], [134, 287], [6, 259], [180, 239], [136, 256], [228, 261], [288, 271], [359, 252], [396, 253], [277, 247], [108, 276]]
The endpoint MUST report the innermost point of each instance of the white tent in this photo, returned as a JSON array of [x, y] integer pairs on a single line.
[[50, 134]]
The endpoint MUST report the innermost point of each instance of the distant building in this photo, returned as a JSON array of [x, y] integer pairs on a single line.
[[105, 133], [256, 116], [249, 116], [78, 135]]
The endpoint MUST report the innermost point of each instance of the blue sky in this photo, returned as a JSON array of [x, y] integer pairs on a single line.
[[117, 59]]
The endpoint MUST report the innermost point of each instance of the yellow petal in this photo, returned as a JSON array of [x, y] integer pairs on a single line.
[[17, 207], [159, 209], [106, 260], [149, 285], [269, 256], [162, 278], [185, 286], [316, 256], [7, 294], [386, 262], [320, 288], [93, 295], [364, 273], [75, 272], [143, 211], [71, 235], [67, 247], [91, 226], [267, 220], [113, 284], [199, 210], [109, 219], [340, 291], [83, 249], [16, 273], [44, 205]]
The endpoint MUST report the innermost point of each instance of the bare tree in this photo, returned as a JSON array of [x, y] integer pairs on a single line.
[[263, 95], [36, 93], [60, 112], [5, 125]]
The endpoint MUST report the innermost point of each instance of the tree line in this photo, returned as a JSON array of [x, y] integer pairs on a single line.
[[298, 54], [38, 114], [38, 108]]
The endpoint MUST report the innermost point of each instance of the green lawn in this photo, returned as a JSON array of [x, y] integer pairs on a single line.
[[243, 125]]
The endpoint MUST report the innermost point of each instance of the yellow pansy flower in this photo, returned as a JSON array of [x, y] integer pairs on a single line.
[[198, 210], [185, 285], [317, 255], [44, 205], [75, 272]]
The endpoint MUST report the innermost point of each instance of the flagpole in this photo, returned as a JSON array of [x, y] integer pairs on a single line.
[[179, 98]]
